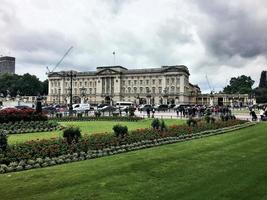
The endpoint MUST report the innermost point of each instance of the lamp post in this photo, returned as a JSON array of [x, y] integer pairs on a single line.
[[149, 95], [71, 75], [83, 93], [59, 91], [18, 97], [165, 94]]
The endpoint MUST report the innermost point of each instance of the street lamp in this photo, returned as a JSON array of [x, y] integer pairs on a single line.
[[59, 91], [83, 93], [70, 75]]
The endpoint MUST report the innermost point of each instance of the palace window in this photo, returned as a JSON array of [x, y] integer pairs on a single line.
[[153, 81], [159, 81], [160, 90], [153, 90], [147, 82], [172, 89], [141, 90]]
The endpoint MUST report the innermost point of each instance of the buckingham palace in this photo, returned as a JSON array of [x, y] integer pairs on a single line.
[[110, 84]]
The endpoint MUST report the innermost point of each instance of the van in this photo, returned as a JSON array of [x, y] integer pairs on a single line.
[[82, 107], [122, 105]]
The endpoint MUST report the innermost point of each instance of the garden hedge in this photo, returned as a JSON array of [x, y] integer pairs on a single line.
[[36, 154]]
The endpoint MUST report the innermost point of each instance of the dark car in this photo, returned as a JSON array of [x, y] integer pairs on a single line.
[[49, 109], [108, 108], [162, 107], [171, 106], [23, 108], [145, 107]]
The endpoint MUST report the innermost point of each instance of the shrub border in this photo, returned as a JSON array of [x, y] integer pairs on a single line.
[[91, 154], [93, 118]]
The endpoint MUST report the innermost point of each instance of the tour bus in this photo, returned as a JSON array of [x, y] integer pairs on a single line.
[[124, 104]]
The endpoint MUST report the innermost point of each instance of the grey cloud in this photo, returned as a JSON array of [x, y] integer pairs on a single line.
[[234, 29]]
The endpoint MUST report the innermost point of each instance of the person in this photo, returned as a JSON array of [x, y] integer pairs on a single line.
[[177, 112], [153, 112], [262, 114], [126, 111], [148, 112], [254, 116], [120, 111]]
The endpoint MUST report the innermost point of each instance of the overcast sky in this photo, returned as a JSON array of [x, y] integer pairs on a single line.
[[220, 39]]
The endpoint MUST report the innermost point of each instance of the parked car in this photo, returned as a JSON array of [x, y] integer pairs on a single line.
[[145, 107], [162, 107], [49, 110], [24, 108], [171, 106], [108, 108]]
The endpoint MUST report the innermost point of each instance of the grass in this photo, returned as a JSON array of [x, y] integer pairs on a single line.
[[87, 128], [225, 167]]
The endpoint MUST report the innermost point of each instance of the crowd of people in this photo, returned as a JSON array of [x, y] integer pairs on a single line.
[[263, 114], [195, 111]]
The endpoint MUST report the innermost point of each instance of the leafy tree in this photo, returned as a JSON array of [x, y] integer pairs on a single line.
[[25, 85], [45, 87], [241, 84]]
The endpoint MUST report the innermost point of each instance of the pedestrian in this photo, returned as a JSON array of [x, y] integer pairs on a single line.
[[254, 116], [148, 112], [153, 112]]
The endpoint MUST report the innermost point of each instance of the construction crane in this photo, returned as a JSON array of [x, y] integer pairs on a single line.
[[211, 90], [60, 61]]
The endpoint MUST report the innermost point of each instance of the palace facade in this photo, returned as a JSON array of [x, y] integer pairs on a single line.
[[110, 84]]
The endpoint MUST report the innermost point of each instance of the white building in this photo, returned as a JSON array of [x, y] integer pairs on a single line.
[[109, 84]]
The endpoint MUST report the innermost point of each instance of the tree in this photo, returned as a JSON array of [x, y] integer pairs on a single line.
[[241, 84], [25, 85], [45, 87]]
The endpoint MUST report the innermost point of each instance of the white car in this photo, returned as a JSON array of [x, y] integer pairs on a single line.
[[81, 107]]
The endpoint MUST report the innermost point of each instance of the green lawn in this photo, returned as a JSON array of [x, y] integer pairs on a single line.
[[224, 167], [87, 128]]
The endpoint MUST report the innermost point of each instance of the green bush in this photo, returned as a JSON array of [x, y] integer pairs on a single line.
[[97, 114], [191, 122], [155, 124], [163, 126], [3, 140], [29, 126], [120, 131], [72, 134], [131, 111]]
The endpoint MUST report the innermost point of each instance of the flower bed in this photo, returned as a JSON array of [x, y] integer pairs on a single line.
[[29, 126], [94, 118], [53, 158], [14, 115]]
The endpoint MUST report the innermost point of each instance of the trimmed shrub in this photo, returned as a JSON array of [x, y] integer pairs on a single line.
[[155, 124], [191, 122], [131, 111], [3, 140], [97, 114], [14, 115], [72, 134], [120, 131], [163, 126]]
